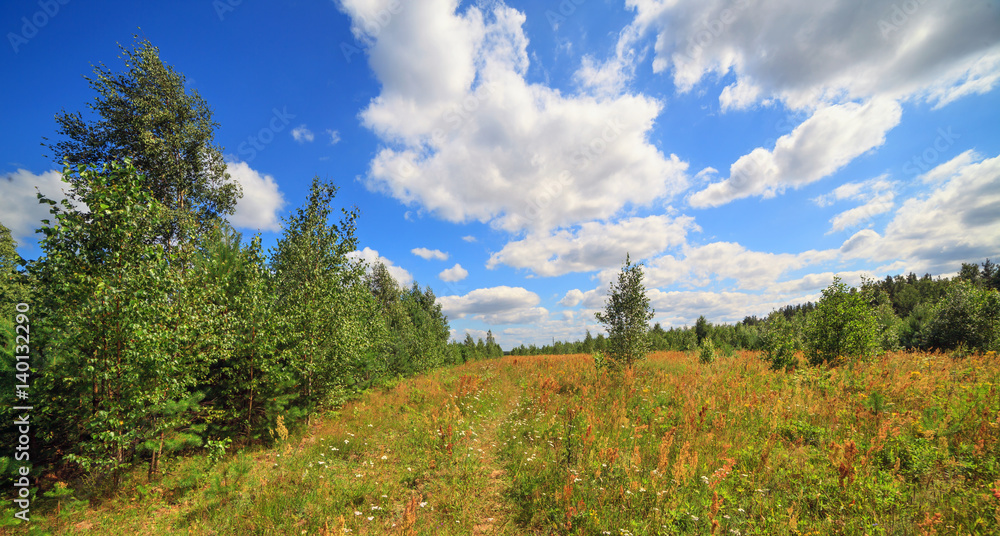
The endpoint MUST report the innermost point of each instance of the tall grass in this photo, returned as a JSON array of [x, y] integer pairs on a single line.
[[907, 444]]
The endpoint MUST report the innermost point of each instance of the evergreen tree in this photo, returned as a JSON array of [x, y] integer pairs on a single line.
[[702, 329], [14, 286]]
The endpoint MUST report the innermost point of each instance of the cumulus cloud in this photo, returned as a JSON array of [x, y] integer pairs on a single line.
[[876, 194], [370, 256], [262, 199], [807, 52], [821, 145], [721, 261], [428, 254], [958, 220], [572, 298], [594, 246], [847, 62], [453, 274], [495, 305], [21, 212], [455, 104], [302, 134], [334, 136], [469, 238]]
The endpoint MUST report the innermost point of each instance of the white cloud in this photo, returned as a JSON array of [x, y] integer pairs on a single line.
[[738, 95], [818, 147], [572, 298], [428, 254], [453, 274], [370, 256], [806, 53], [848, 62], [495, 305], [594, 246], [609, 78], [302, 134], [873, 207], [334, 136], [877, 194], [469, 238], [680, 308], [957, 221], [455, 104], [261, 201], [721, 261], [20, 210]]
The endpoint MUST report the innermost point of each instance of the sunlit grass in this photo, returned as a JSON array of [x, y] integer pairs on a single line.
[[907, 444]]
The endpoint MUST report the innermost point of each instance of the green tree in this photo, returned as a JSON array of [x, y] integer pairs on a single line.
[[626, 316], [588, 343], [333, 334], [249, 384], [779, 342], [968, 315], [14, 285], [702, 329], [842, 326], [145, 114], [111, 372]]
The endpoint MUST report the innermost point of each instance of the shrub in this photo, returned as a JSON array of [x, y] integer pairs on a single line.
[[843, 325], [967, 315], [706, 352], [779, 343]]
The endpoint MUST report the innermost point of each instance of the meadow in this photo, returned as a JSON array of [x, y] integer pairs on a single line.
[[904, 444]]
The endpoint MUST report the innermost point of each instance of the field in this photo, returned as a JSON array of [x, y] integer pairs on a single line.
[[907, 444]]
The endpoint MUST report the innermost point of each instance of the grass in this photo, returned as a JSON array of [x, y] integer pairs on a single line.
[[907, 444]]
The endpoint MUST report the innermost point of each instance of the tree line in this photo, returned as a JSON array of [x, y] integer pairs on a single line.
[[959, 315], [157, 329]]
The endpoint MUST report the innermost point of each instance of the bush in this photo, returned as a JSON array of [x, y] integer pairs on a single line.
[[706, 353], [842, 326], [779, 343], [967, 315]]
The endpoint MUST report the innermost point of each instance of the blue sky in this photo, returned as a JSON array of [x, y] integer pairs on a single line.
[[509, 154]]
